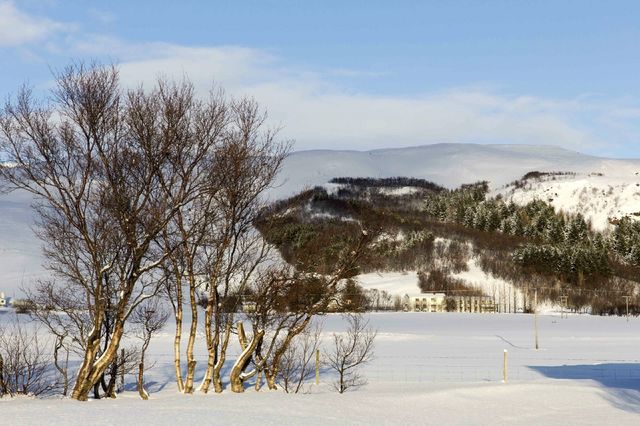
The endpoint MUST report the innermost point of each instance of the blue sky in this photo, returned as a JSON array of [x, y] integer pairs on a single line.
[[367, 74]]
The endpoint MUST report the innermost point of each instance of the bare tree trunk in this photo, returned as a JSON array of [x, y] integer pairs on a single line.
[[143, 393], [259, 380], [213, 339], [271, 378], [62, 370], [92, 370], [83, 385], [272, 374], [191, 362], [178, 334], [3, 385], [222, 357], [235, 377], [176, 350], [122, 367], [113, 377]]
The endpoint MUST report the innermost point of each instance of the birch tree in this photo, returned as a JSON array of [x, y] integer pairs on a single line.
[[286, 301], [247, 164], [103, 165]]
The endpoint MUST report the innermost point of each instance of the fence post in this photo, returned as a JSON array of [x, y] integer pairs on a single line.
[[535, 315], [505, 367], [317, 366], [626, 299]]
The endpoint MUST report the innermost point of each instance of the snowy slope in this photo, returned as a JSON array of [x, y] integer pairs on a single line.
[[600, 199], [20, 260], [445, 164], [394, 283]]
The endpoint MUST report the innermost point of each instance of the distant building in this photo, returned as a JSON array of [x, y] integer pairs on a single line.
[[3, 300], [440, 302], [425, 302], [474, 304]]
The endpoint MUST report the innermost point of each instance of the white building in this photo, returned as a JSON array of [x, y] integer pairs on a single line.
[[425, 302], [474, 304], [3, 300]]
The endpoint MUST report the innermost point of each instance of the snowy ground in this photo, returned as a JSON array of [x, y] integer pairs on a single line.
[[429, 368]]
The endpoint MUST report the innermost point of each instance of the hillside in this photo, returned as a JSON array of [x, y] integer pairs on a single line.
[[463, 242]]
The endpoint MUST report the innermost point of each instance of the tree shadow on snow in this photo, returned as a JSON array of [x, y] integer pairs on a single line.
[[621, 381], [162, 375]]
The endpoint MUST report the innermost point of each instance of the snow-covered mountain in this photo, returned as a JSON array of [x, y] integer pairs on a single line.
[[446, 164], [449, 165]]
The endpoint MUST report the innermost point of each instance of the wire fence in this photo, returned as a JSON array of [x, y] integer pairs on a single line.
[[469, 369]]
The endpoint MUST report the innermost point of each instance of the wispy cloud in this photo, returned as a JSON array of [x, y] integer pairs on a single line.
[[18, 28]]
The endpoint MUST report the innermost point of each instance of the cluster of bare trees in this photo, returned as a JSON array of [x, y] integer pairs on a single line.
[[148, 198], [24, 361]]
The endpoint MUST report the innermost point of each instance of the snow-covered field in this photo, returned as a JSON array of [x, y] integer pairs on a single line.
[[429, 369]]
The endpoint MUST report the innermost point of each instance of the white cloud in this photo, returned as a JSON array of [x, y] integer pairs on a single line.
[[18, 28], [318, 114]]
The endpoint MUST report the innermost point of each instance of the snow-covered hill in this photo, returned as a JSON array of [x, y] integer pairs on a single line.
[[601, 198], [449, 165], [446, 164]]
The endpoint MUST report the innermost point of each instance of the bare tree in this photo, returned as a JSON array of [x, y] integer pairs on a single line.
[[187, 230], [24, 361], [286, 301], [104, 166], [297, 363], [149, 318], [350, 351], [246, 165]]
